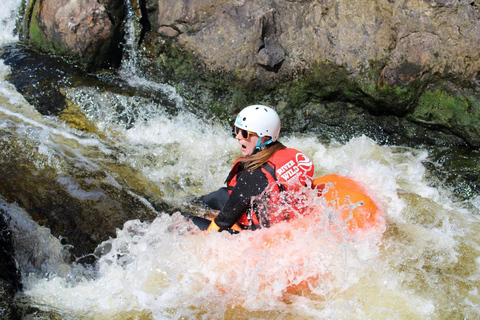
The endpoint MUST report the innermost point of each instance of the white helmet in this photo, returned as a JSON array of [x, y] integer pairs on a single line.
[[260, 119]]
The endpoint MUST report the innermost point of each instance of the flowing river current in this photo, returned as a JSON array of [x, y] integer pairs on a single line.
[[425, 264]]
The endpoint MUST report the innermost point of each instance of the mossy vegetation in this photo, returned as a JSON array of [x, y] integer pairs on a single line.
[[332, 104], [441, 107], [390, 100], [459, 114], [213, 93], [222, 95], [75, 118]]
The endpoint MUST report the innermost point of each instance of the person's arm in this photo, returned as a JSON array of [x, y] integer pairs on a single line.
[[215, 200], [249, 184]]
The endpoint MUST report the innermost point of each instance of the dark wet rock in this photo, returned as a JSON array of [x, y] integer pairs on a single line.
[[10, 279]]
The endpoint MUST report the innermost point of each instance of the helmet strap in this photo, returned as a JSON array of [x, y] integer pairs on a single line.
[[259, 145]]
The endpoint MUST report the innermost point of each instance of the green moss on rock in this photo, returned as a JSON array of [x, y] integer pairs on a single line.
[[37, 38], [221, 94], [214, 93], [457, 113]]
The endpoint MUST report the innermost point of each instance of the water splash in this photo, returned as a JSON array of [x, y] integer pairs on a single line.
[[424, 266], [167, 265], [168, 269], [132, 56], [8, 17]]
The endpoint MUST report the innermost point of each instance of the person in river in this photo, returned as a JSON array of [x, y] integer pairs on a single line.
[[266, 167]]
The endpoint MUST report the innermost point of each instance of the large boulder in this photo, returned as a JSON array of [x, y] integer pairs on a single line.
[[87, 32], [414, 59], [410, 38]]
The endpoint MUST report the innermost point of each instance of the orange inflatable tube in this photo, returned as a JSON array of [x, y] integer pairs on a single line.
[[350, 204], [353, 211], [347, 197]]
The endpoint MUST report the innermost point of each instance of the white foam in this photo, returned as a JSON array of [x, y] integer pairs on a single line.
[[8, 15], [171, 270]]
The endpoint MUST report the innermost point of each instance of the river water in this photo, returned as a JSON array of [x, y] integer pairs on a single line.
[[423, 265]]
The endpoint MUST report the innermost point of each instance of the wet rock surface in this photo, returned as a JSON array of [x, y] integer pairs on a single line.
[[10, 280]]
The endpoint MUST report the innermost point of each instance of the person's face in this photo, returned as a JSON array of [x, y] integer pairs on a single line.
[[247, 141]]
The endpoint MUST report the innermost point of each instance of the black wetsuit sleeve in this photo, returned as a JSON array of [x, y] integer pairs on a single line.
[[249, 184]]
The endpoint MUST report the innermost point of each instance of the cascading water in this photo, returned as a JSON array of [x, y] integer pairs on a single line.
[[131, 64], [424, 265]]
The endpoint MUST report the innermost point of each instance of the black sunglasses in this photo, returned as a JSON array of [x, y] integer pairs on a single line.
[[245, 133]]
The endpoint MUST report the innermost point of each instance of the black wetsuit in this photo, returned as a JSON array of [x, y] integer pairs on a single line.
[[249, 184]]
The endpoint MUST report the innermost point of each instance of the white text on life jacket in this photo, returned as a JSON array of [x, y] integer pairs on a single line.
[[288, 170]]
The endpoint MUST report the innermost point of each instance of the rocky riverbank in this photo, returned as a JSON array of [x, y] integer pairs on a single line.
[[418, 61]]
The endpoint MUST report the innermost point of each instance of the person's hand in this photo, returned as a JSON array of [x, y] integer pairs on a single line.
[[213, 226], [236, 227]]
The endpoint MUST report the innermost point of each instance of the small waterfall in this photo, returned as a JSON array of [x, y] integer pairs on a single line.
[[132, 56]]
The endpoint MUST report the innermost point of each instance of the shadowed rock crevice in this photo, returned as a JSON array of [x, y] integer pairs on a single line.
[[270, 53]]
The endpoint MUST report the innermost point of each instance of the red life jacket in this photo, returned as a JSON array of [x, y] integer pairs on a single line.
[[287, 170]]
